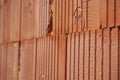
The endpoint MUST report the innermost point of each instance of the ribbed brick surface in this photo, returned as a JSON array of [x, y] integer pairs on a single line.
[[59, 39]]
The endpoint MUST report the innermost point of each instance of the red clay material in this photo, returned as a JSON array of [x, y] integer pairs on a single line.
[[59, 40], [99, 54], [27, 60], [27, 17], [12, 61], [3, 68], [93, 15], [106, 53], [117, 13], [62, 58], [103, 13], [114, 54], [15, 20], [7, 19], [111, 13], [1, 24], [1, 3]]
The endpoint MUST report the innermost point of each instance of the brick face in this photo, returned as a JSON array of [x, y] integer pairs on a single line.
[[59, 39], [1, 24], [117, 13], [12, 61], [27, 60]]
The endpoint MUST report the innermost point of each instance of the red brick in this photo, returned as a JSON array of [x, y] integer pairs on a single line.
[[106, 54], [92, 55], [43, 57], [72, 55], [84, 15], [67, 17], [62, 57], [76, 56], [56, 56], [111, 13], [103, 13], [114, 54], [1, 3], [15, 20], [48, 53], [38, 69], [118, 12], [12, 20], [7, 19], [40, 19], [63, 16], [1, 24], [27, 19], [47, 58], [50, 57], [93, 15], [27, 60], [86, 56], [70, 17], [79, 15], [68, 57], [53, 58], [36, 17], [99, 54], [119, 55], [12, 61], [54, 16], [75, 15], [59, 16], [3, 62], [81, 55], [38, 61]]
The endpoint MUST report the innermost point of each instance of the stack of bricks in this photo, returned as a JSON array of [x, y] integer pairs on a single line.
[[59, 39]]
